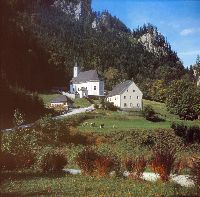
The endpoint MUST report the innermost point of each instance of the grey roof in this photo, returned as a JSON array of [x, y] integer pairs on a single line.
[[61, 99], [90, 75], [120, 88]]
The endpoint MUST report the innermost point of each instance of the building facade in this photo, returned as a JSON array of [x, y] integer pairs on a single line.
[[87, 83], [126, 95]]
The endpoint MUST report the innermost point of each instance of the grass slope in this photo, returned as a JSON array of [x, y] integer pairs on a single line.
[[35, 184], [47, 98]]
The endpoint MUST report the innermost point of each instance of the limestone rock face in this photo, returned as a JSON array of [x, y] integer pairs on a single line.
[[152, 42], [76, 8]]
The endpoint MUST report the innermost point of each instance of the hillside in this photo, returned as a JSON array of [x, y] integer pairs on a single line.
[[52, 35], [41, 40]]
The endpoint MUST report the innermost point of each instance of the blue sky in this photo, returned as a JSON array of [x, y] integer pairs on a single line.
[[177, 20]]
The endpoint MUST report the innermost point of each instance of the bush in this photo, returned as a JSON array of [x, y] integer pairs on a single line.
[[135, 166], [195, 170], [150, 114], [162, 163], [106, 164], [49, 160], [190, 134], [86, 160], [22, 144], [108, 106], [7, 161], [52, 132]]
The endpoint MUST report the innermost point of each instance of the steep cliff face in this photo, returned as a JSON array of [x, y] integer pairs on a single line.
[[152, 40], [76, 8]]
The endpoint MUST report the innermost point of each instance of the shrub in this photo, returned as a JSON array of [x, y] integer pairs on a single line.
[[136, 166], [7, 161], [108, 106], [106, 164], [195, 170], [52, 132], [190, 134], [50, 160], [162, 162], [86, 161], [150, 114], [22, 144]]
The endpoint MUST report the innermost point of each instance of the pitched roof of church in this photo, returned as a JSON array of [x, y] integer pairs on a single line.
[[120, 88], [90, 75]]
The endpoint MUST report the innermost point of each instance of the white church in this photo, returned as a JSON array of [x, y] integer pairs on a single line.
[[87, 83]]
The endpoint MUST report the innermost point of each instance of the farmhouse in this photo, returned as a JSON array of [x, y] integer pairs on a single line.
[[87, 83], [126, 95], [61, 102]]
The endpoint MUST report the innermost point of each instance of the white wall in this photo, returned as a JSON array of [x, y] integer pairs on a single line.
[[90, 85], [132, 97], [115, 100]]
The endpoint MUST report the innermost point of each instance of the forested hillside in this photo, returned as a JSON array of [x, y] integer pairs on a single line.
[[41, 40]]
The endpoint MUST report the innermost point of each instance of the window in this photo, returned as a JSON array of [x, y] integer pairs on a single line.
[[127, 90], [130, 97], [95, 87], [86, 88], [73, 89], [131, 104], [133, 90], [78, 89], [125, 104], [138, 105], [115, 98], [124, 97], [137, 97]]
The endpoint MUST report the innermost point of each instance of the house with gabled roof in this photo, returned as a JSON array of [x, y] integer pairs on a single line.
[[126, 95], [61, 101], [86, 83]]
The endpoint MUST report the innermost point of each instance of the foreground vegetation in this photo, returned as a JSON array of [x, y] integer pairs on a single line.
[[35, 184], [100, 143]]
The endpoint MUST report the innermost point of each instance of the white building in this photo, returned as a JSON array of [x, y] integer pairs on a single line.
[[126, 95], [87, 83]]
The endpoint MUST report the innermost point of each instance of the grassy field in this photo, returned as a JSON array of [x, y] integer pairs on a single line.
[[81, 102], [120, 121], [36, 184], [114, 121], [47, 98]]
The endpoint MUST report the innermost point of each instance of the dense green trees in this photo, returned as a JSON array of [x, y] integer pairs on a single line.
[[183, 99], [50, 40], [40, 44]]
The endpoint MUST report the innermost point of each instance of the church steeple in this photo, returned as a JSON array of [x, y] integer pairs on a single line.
[[76, 69]]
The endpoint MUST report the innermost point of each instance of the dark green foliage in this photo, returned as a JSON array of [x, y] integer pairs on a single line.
[[7, 161], [150, 114], [108, 106], [190, 134], [50, 160], [183, 99], [21, 145], [52, 132], [50, 40], [27, 103]]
